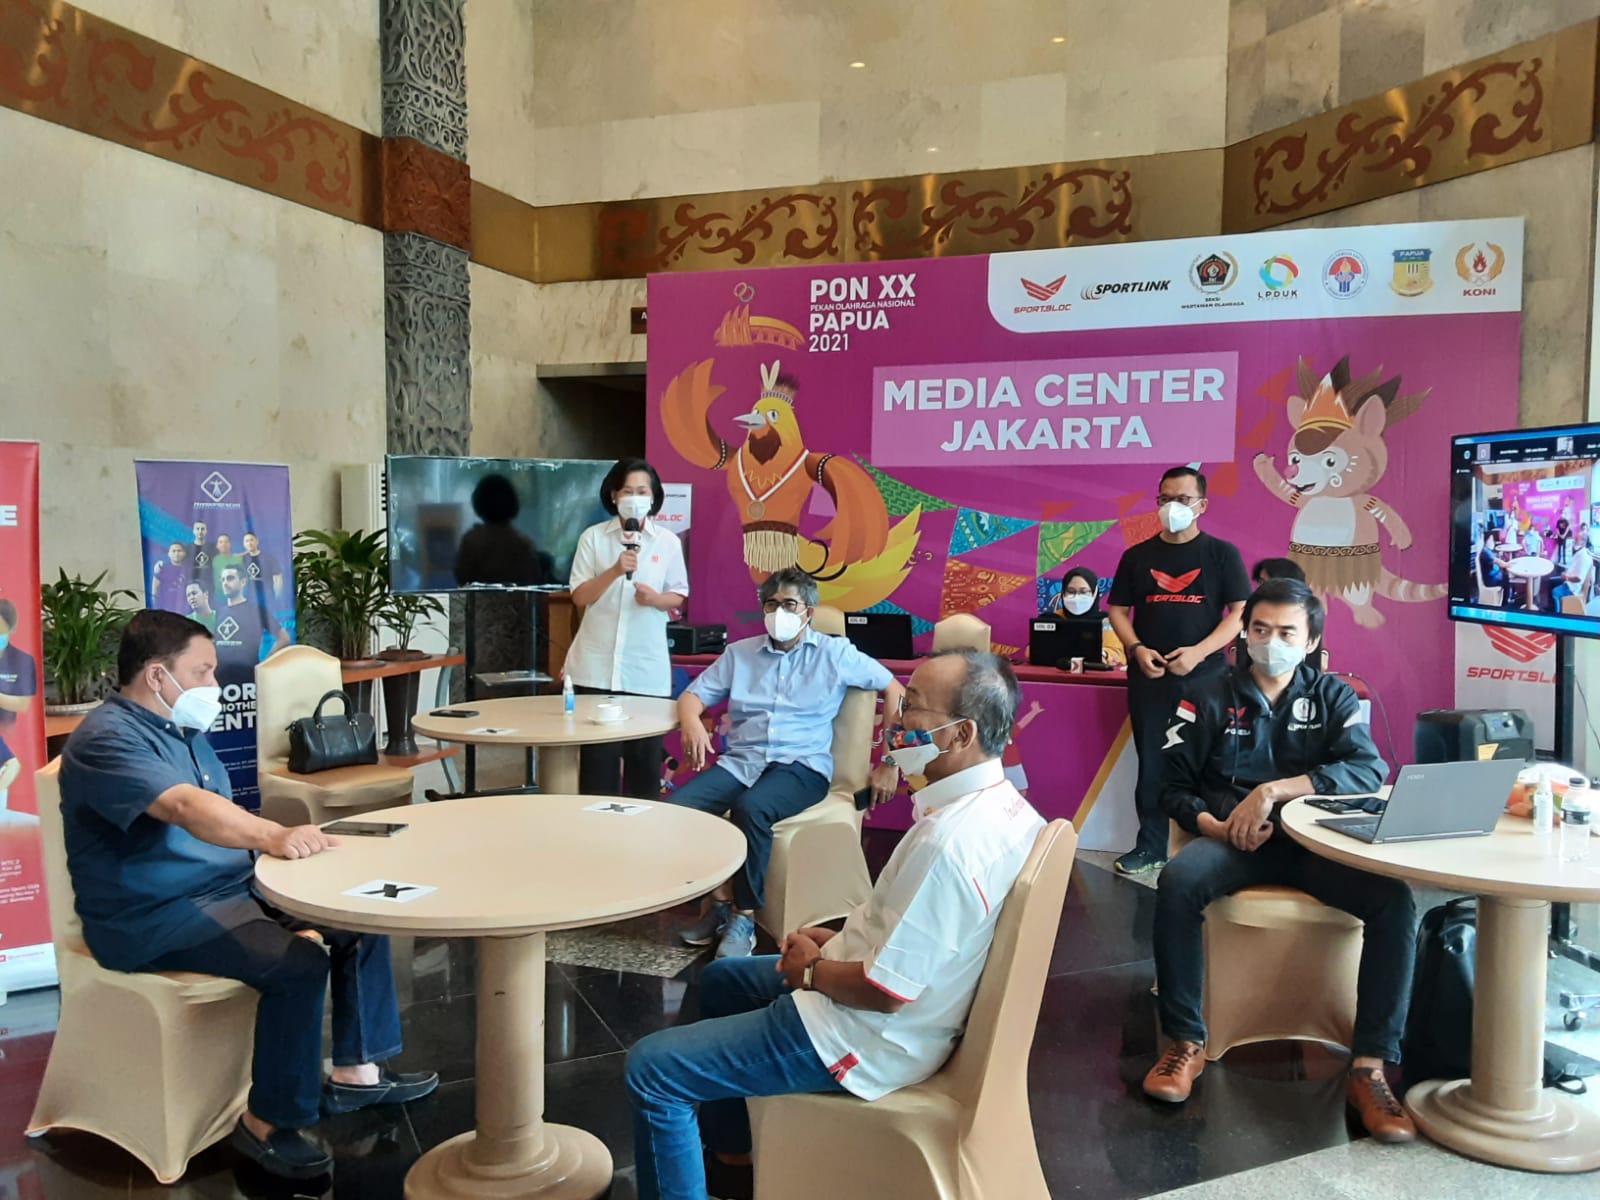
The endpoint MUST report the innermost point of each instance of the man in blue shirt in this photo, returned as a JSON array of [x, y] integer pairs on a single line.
[[162, 861], [783, 692]]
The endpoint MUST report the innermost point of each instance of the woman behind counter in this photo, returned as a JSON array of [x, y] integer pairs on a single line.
[[621, 646], [1080, 597]]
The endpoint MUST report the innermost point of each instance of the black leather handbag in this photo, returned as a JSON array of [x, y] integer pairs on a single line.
[[321, 743]]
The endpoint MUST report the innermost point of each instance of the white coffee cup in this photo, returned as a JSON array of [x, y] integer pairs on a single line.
[[608, 712]]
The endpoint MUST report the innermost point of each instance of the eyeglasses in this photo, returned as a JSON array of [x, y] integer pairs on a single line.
[[1184, 500], [900, 713], [788, 606], [1077, 592]]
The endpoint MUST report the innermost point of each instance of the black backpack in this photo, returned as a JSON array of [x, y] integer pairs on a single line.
[[1438, 1037]]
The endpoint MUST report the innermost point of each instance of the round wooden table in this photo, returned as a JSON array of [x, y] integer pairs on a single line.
[[505, 872], [1501, 1114], [539, 721], [1531, 568]]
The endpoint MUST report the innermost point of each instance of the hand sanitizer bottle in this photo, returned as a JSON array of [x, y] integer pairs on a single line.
[[569, 701]]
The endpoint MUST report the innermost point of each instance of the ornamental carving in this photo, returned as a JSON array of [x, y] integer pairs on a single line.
[[426, 192], [1497, 110], [428, 346], [424, 73], [73, 68], [971, 213]]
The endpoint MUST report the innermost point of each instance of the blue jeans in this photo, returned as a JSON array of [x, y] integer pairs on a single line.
[[749, 1041], [783, 790], [1206, 869], [291, 973]]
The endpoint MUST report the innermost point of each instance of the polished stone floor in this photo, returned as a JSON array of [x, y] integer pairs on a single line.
[[1269, 1122]]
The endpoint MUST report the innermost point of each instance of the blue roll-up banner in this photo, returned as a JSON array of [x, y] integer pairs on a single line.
[[219, 547]]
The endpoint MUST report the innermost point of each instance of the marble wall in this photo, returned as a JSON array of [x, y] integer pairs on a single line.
[[1291, 59], [637, 98], [150, 311], [320, 52]]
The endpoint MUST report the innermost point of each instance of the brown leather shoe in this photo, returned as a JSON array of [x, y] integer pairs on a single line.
[[1172, 1079], [1367, 1091]]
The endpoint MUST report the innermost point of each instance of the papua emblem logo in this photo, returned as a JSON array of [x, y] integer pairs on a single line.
[[1412, 274]]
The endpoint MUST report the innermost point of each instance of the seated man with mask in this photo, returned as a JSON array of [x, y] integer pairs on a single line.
[[161, 860], [783, 691], [1239, 746], [879, 1005]]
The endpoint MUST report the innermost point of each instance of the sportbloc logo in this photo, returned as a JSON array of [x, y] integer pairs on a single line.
[[1043, 293], [1173, 588], [1099, 291], [1520, 647]]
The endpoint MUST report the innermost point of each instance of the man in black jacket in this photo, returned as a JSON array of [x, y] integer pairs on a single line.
[[1236, 748]]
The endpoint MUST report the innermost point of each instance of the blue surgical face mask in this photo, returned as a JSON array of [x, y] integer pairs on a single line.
[[5, 640]]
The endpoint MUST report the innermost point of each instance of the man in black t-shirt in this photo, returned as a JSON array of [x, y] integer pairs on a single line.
[[1175, 603], [242, 620]]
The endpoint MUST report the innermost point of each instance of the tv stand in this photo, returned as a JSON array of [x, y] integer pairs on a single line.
[[1563, 934]]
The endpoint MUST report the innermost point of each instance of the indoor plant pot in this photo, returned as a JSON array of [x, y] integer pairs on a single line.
[[82, 626]]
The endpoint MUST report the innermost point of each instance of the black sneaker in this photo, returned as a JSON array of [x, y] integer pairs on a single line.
[[1136, 862], [286, 1153], [392, 1088]]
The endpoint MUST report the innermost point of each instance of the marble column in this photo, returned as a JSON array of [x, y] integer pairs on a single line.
[[427, 233]]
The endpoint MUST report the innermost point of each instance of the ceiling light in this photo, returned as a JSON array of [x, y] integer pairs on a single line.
[[857, 66], [933, 149], [1060, 41]]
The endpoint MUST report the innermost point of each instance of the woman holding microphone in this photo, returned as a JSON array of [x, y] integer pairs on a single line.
[[627, 574]]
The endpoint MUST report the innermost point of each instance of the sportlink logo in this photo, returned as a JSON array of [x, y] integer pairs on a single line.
[[1099, 291], [1043, 293]]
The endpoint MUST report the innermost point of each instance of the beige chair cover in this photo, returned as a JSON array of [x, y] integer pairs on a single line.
[[817, 872], [157, 1063], [966, 1132], [961, 631], [1280, 966], [289, 683]]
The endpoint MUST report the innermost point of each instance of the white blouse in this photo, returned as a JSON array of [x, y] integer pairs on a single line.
[[622, 645]]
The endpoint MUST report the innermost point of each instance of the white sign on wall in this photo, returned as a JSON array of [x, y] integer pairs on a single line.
[[1497, 667]]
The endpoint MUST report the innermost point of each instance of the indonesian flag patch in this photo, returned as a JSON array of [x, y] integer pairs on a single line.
[[1185, 711]]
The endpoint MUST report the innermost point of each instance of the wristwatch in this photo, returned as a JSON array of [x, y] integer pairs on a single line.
[[807, 974], [1134, 647]]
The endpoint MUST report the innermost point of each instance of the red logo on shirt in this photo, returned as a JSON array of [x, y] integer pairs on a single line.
[[1173, 588]]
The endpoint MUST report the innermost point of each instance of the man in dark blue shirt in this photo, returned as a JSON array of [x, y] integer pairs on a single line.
[[162, 861]]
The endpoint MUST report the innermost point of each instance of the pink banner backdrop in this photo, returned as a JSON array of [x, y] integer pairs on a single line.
[[1545, 501], [793, 398]]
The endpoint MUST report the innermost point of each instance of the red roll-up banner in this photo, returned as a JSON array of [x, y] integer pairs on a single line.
[[27, 959]]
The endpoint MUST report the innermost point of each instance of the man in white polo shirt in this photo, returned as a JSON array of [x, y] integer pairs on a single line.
[[880, 1004]]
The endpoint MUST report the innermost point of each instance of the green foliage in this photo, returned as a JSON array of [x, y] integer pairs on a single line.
[[341, 586], [403, 610], [82, 627]]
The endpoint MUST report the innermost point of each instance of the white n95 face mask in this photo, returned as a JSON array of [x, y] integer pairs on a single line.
[[1175, 517], [1077, 605], [635, 508], [784, 626], [1276, 657], [196, 707]]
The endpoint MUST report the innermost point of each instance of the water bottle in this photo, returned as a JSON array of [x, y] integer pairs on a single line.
[[1544, 807], [569, 700], [1576, 818]]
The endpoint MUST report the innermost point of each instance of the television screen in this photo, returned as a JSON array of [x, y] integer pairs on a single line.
[[1525, 535], [460, 523]]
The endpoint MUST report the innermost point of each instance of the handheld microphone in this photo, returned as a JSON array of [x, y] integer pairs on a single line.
[[630, 525]]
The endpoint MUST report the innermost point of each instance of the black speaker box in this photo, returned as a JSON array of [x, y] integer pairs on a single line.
[[1463, 734]]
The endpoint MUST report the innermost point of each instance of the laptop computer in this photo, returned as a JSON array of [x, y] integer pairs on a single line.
[[1054, 640], [1432, 801], [880, 634]]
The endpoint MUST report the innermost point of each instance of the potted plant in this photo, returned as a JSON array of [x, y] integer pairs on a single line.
[[341, 587], [81, 628], [402, 611]]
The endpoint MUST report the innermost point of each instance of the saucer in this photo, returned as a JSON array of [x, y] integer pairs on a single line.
[[603, 721]]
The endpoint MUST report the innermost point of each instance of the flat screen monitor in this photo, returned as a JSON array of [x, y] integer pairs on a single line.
[[1525, 529], [458, 524]]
